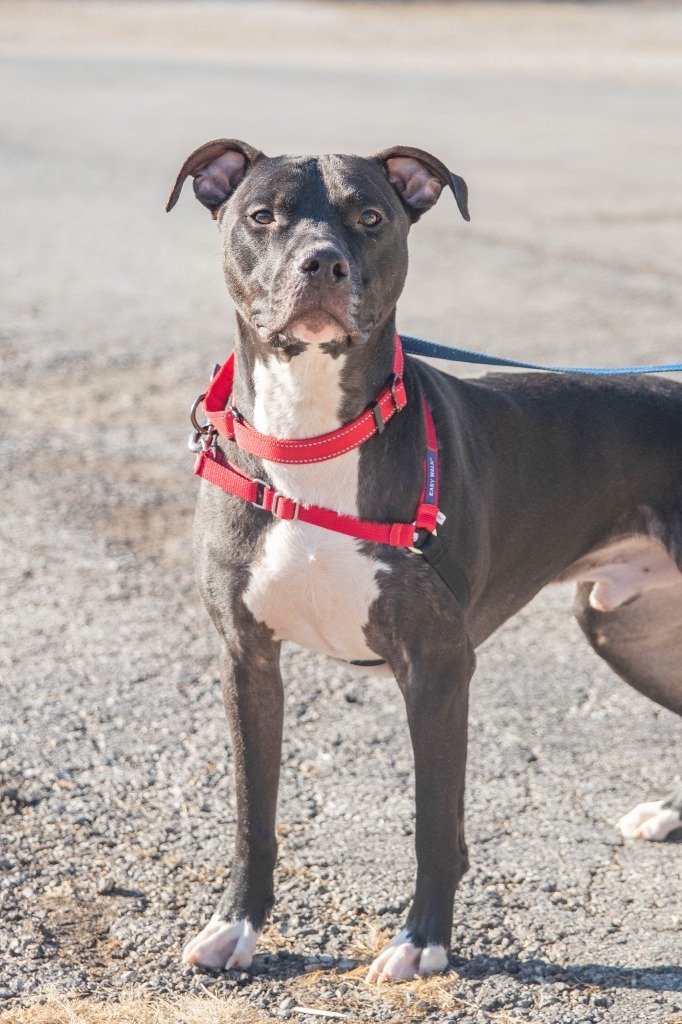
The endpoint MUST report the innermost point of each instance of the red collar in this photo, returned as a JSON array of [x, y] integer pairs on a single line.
[[230, 424], [225, 420]]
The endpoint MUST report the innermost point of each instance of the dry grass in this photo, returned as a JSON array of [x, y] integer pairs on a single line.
[[135, 1010], [407, 1002], [400, 1002], [409, 999]]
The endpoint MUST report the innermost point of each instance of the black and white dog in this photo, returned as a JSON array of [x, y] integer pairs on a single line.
[[540, 478]]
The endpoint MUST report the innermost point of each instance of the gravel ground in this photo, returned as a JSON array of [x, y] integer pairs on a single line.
[[115, 767]]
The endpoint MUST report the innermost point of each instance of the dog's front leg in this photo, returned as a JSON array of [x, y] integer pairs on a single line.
[[252, 692], [436, 691]]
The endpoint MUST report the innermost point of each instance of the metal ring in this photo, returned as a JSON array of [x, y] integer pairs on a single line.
[[273, 508], [264, 487], [199, 427]]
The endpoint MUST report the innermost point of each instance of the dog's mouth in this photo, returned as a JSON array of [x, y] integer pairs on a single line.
[[316, 328], [313, 327]]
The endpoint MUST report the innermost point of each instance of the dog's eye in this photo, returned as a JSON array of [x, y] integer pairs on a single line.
[[263, 217], [369, 219]]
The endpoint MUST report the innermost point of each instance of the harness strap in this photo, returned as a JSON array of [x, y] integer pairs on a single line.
[[445, 564], [212, 465], [230, 424]]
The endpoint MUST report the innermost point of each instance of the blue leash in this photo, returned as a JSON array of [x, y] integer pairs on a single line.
[[420, 347]]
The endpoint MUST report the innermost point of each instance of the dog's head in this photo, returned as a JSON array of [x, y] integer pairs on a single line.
[[315, 248]]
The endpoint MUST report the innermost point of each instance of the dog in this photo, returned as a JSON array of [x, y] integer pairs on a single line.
[[305, 533]]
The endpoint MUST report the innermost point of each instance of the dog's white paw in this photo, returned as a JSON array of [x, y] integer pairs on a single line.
[[402, 959], [650, 821], [221, 944]]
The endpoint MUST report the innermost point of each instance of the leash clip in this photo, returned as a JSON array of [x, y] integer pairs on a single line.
[[203, 440]]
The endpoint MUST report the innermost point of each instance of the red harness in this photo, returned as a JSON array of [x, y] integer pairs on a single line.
[[226, 421]]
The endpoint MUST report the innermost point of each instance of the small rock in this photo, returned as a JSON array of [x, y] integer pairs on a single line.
[[106, 885]]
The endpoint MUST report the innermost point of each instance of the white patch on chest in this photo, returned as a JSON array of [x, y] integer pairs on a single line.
[[310, 585]]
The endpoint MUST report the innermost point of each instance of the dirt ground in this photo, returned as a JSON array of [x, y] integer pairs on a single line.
[[115, 766]]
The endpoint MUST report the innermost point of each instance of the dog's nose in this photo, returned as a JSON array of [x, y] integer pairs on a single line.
[[326, 265]]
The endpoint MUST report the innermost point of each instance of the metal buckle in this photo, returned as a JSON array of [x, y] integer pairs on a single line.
[[275, 500], [421, 541], [394, 384], [261, 492]]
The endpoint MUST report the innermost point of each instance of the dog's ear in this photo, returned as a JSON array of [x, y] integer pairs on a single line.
[[419, 179], [217, 168]]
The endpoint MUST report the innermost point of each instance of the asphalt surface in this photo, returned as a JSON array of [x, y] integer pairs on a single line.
[[115, 773]]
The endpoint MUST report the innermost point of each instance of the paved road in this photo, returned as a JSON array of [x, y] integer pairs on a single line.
[[566, 124]]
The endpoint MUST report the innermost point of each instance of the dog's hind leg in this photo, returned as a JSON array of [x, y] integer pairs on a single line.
[[641, 639]]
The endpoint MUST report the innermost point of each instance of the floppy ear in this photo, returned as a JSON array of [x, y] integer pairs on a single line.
[[419, 179], [217, 168]]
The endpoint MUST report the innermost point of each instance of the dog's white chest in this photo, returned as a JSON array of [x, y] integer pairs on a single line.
[[310, 585], [315, 588]]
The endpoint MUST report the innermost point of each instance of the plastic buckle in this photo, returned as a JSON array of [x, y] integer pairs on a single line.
[[378, 418]]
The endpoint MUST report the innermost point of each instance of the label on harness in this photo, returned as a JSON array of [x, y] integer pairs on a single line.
[[431, 479]]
